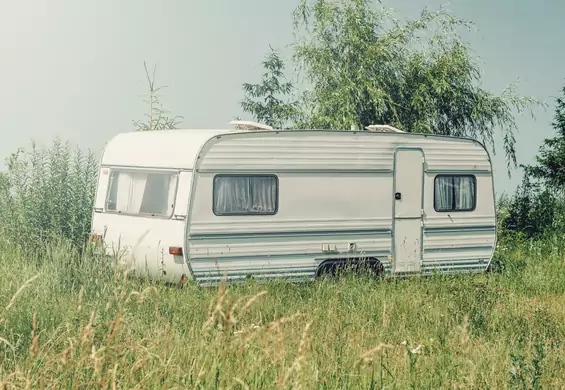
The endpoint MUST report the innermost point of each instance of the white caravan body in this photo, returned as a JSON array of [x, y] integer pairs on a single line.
[[225, 204]]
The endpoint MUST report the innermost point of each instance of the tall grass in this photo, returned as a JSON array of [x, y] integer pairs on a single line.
[[47, 194], [80, 323]]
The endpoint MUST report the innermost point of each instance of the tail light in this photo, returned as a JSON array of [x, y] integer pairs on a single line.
[[175, 250]]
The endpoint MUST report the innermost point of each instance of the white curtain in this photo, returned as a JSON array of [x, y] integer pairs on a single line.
[[137, 190], [263, 190], [232, 194], [124, 182], [243, 194], [444, 193], [454, 193], [464, 192]]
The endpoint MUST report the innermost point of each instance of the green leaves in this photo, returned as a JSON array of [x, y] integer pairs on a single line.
[[550, 167], [264, 100]]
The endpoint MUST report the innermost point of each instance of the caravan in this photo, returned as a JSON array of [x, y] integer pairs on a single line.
[[225, 204]]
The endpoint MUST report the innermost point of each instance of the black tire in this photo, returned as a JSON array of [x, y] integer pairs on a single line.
[[333, 267]]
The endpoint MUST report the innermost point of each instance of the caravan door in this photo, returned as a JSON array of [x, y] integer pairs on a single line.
[[408, 209]]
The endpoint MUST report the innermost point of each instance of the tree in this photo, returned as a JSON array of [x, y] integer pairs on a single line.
[[538, 206], [550, 167], [531, 211], [264, 101], [365, 67], [157, 118]]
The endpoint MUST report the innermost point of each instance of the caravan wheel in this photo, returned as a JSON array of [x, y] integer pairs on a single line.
[[336, 267]]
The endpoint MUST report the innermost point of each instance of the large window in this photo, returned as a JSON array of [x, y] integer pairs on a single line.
[[142, 193], [455, 193], [245, 194]]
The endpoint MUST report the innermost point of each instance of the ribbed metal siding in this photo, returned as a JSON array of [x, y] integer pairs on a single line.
[[298, 256], [336, 151]]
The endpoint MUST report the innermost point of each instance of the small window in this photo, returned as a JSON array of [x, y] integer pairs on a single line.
[[455, 193], [141, 193], [245, 195]]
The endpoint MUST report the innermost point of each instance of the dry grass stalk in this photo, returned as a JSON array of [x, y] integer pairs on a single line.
[[34, 348], [80, 296], [367, 357], [19, 292], [297, 364], [216, 310]]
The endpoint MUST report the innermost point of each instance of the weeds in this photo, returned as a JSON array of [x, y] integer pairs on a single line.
[[46, 195]]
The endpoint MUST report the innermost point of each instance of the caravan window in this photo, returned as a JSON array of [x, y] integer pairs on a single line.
[[142, 193], [245, 194], [455, 193]]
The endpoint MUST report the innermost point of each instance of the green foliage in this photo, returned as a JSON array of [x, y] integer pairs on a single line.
[[534, 211], [264, 100], [538, 206], [550, 167], [366, 67], [46, 195], [157, 118]]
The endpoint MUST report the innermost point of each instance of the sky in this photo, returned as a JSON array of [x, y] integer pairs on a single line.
[[73, 70]]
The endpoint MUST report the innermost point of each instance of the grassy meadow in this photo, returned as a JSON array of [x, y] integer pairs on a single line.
[[71, 321]]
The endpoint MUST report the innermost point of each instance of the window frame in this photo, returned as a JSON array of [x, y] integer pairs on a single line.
[[453, 209], [246, 175], [174, 173]]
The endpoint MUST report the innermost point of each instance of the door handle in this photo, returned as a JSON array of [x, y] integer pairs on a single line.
[[398, 196]]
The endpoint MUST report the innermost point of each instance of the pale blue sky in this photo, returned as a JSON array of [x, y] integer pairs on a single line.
[[74, 69]]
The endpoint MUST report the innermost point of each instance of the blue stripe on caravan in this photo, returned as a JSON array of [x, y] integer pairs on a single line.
[[297, 170], [220, 273], [447, 267], [459, 171], [212, 282], [456, 271], [243, 273], [459, 249], [459, 229], [215, 270], [433, 263], [259, 271], [323, 255], [310, 233]]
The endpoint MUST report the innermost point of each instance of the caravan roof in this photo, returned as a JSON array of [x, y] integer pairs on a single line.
[[157, 149], [179, 148], [166, 148]]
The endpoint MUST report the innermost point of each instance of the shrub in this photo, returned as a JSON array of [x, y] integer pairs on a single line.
[[47, 194]]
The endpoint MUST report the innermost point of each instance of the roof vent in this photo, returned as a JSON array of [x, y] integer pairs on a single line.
[[248, 125], [383, 129]]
